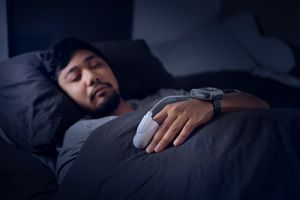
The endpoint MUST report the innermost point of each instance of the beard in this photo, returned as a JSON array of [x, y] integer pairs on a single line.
[[109, 104]]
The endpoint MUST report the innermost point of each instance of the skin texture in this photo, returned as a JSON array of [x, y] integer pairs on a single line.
[[90, 82]]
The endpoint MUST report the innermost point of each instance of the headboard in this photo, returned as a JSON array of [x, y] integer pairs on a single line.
[[278, 18]]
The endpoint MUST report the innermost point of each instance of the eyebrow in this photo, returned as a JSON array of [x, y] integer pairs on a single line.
[[75, 67], [89, 58]]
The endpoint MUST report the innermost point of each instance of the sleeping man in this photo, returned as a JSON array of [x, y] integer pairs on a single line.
[[84, 74]]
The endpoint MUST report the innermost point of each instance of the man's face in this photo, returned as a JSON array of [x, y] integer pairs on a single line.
[[90, 82]]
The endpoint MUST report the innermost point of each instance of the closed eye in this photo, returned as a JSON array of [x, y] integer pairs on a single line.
[[96, 65], [73, 77]]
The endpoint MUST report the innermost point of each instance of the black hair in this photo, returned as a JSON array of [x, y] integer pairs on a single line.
[[56, 58]]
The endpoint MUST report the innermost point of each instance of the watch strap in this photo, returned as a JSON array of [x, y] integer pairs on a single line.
[[216, 106], [226, 91]]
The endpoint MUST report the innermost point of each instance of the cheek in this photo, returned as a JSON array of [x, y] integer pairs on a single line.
[[74, 91], [77, 93], [113, 80], [116, 85]]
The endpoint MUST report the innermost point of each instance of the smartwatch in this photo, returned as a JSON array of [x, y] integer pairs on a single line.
[[212, 94]]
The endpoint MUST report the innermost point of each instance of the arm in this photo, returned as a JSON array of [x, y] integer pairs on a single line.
[[241, 101], [176, 121]]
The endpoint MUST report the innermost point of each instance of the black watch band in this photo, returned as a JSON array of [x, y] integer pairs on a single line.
[[217, 107]]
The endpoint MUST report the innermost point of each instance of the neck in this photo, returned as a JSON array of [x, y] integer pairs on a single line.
[[122, 108]]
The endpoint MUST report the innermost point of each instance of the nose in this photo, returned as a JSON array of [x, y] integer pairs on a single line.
[[92, 79]]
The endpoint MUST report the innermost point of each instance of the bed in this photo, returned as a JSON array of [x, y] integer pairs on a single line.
[[244, 155]]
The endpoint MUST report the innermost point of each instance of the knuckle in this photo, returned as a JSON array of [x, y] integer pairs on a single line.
[[167, 107], [156, 138], [175, 129], [164, 142], [181, 138], [176, 109], [184, 135], [163, 128], [154, 141], [189, 127]]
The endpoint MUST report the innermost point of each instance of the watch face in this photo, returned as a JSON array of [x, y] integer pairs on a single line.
[[209, 89], [207, 93]]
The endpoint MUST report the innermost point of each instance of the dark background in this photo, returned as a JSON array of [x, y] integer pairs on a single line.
[[35, 24]]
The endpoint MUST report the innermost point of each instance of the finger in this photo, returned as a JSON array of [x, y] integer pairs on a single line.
[[163, 128], [184, 134], [172, 132], [161, 116]]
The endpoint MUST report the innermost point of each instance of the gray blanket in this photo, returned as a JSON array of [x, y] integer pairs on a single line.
[[243, 155]]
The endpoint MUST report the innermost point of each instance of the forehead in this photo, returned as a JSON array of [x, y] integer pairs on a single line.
[[82, 56]]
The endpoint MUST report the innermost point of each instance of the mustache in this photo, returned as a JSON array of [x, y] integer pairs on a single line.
[[99, 86]]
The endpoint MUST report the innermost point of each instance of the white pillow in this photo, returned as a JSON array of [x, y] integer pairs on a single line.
[[204, 49], [270, 53]]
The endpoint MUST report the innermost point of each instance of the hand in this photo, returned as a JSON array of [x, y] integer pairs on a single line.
[[178, 120]]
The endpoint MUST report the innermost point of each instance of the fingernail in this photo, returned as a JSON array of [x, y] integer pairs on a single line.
[[158, 148], [149, 149], [176, 142]]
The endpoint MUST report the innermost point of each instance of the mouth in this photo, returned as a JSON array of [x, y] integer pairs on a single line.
[[99, 90]]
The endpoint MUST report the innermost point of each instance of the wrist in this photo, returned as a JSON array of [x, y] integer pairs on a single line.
[[217, 107]]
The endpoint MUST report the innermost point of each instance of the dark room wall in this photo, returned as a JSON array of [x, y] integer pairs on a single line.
[[36, 24], [164, 20], [3, 31]]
